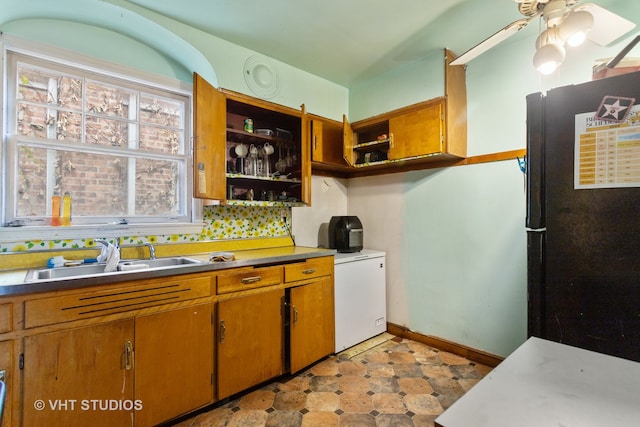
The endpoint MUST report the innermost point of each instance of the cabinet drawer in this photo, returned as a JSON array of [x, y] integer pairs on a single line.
[[313, 267], [6, 317], [249, 278], [147, 293]]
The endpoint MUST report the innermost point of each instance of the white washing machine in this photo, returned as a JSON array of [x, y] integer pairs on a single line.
[[360, 297]]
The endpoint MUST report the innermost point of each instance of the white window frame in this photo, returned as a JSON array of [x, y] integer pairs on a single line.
[[193, 223]]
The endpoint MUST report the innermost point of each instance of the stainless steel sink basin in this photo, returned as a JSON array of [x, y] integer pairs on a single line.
[[159, 262], [91, 270]]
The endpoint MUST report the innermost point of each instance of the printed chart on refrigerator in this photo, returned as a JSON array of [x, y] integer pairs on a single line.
[[607, 154]]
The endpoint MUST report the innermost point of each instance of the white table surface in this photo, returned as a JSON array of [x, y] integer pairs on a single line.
[[544, 383]]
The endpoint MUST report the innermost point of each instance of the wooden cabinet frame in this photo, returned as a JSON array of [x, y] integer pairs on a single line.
[[215, 131]]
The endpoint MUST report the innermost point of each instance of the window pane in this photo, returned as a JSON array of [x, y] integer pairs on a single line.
[[110, 101], [97, 183], [161, 111], [156, 183], [32, 190], [160, 140], [103, 131], [45, 122], [48, 87]]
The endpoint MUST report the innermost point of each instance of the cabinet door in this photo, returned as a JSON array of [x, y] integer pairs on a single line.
[[312, 323], [347, 140], [6, 365], [417, 133], [305, 158], [174, 363], [250, 343], [326, 142], [80, 377], [209, 145]]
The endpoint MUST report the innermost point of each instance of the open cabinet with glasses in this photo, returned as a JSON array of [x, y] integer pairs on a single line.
[[248, 151]]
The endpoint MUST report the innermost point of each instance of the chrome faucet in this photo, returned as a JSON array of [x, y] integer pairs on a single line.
[[152, 250]]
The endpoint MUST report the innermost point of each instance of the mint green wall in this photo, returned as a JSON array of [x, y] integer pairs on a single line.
[[406, 85], [455, 239]]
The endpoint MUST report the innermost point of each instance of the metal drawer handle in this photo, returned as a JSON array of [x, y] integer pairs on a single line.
[[252, 279], [309, 270]]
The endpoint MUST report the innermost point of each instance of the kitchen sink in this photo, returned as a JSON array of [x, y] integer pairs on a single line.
[[91, 270]]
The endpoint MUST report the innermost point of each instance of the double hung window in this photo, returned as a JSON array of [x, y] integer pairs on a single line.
[[116, 145]]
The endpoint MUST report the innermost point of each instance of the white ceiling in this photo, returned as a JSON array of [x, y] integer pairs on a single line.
[[347, 40], [343, 40]]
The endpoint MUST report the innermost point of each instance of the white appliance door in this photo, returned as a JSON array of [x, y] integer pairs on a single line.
[[360, 300]]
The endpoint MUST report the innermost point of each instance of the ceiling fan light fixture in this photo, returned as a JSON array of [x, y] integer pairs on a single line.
[[548, 58], [549, 36], [575, 27]]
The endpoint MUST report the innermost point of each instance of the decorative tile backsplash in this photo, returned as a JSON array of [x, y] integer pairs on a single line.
[[220, 223]]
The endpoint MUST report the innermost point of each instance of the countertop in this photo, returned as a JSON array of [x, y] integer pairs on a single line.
[[544, 383], [12, 281]]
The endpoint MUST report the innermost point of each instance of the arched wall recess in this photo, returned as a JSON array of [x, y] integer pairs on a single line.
[[108, 16]]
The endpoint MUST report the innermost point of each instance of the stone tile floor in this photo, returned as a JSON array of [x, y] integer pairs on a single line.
[[398, 383]]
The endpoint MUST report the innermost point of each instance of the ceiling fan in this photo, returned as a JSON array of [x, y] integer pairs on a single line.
[[565, 23]]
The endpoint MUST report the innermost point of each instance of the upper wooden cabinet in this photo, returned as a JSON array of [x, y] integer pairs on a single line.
[[249, 151], [326, 141], [406, 138]]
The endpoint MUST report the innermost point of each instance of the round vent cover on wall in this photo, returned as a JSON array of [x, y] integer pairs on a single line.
[[261, 76]]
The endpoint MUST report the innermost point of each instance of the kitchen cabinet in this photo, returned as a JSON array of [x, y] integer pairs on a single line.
[[312, 326], [326, 141], [67, 372], [411, 137], [151, 346], [173, 355], [149, 366], [405, 134], [6, 372], [266, 161], [273, 320], [250, 341], [311, 304]]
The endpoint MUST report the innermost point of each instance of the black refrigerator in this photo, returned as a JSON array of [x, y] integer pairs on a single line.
[[583, 215]]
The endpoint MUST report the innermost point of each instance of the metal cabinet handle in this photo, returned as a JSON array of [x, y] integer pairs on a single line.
[[315, 142], [295, 314], [128, 355], [309, 270], [252, 279], [223, 331]]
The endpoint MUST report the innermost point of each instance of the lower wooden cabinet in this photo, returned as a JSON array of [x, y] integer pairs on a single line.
[[229, 331], [71, 377], [174, 363], [312, 322], [147, 369], [250, 341], [6, 369]]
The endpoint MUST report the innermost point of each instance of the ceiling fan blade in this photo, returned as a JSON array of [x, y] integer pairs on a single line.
[[493, 40], [607, 26]]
